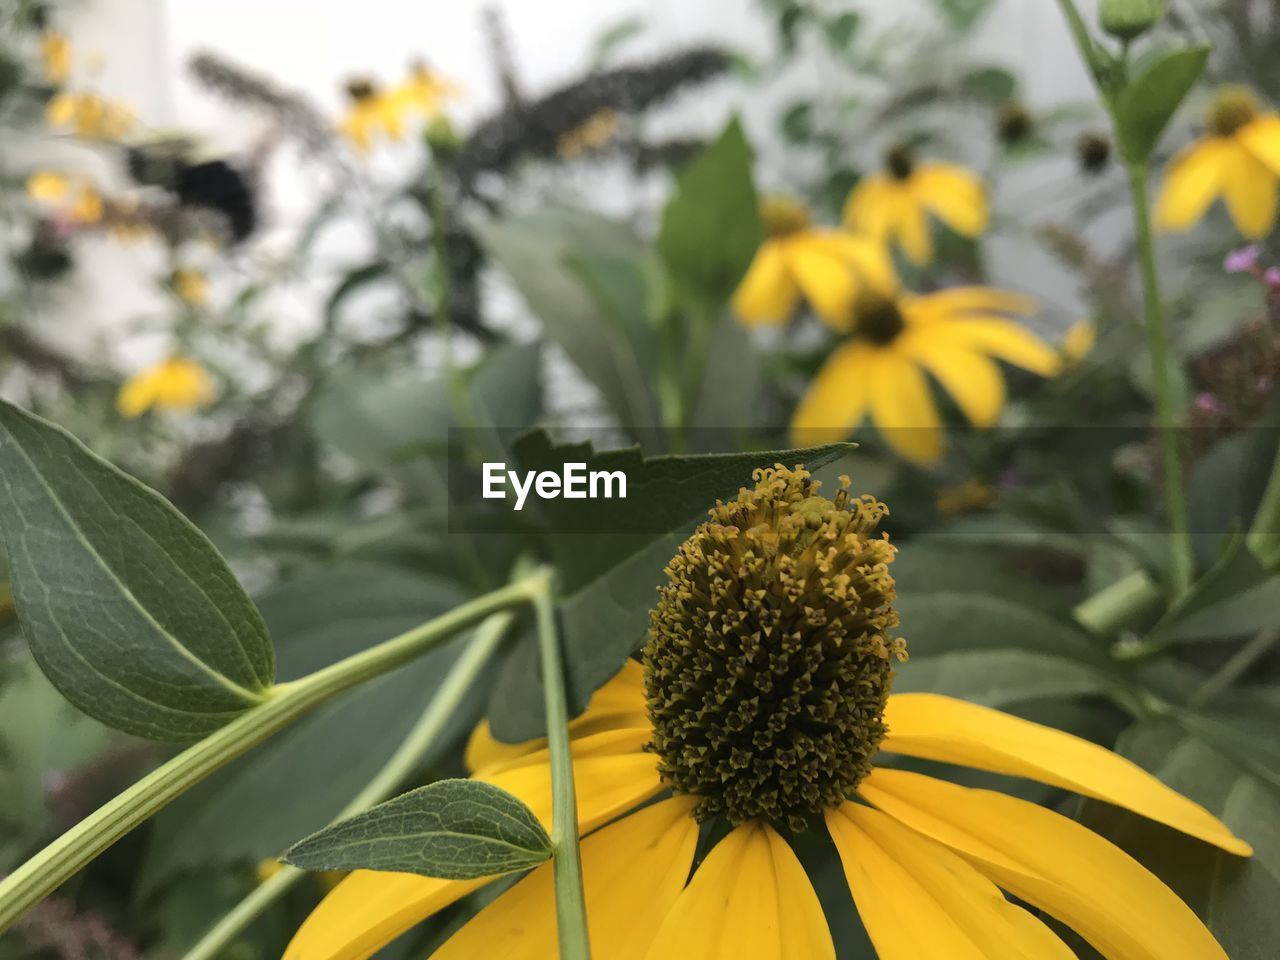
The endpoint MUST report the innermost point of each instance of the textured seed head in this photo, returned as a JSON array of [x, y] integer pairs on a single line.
[[1234, 107], [770, 656], [783, 216]]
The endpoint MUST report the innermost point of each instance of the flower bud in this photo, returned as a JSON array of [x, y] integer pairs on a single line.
[[1130, 19]]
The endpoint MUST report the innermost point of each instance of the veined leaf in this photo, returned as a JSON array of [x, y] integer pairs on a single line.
[[128, 608], [451, 829], [1149, 102]]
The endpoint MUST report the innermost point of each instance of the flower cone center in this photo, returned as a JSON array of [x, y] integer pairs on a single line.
[[878, 319], [1234, 108], [783, 216]]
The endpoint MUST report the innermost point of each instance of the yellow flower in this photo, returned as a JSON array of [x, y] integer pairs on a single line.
[[191, 286], [829, 267], [787, 724], [372, 113], [964, 498], [1238, 159], [894, 341], [896, 204], [90, 116], [597, 131], [55, 52], [73, 195], [425, 91], [177, 383], [1079, 341]]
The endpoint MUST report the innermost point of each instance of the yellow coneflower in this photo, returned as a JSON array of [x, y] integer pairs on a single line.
[[1079, 341], [598, 130], [55, 55], [1237, 159], [373, 113], [828, 267], [896, 204], [90, 116], [191, 286], [425, 91], [764, 701], [177, 383], [74, 197], [894, 339]]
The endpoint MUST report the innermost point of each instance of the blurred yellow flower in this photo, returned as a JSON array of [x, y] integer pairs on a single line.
[[963, 498], [424, 91], [828, 267], [176, 383], [55, 52], [1079, 341], [597, 131], [191, 286], [895, 205], [372, 113], [952, 335], [74, 196], [90, 116], [1238, 159]]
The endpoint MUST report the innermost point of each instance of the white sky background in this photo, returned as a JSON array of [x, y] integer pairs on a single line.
[[313, 45]]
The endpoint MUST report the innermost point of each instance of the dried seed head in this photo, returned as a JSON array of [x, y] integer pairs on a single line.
[[769, 656]]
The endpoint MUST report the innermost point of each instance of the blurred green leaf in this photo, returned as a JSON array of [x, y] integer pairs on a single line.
[[613, 37], [999, 678], [538, 251], [992, 85], [127, 607], [711, 226], [797, 122], [1235, 597], [321, 762], [840, 30], [1148, 103], [451, 829], [962, 15]]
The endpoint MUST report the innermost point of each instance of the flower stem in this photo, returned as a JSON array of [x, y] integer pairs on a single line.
[[1264, 535], [1118, 604], [461, 676], [571, 911], [286, 702], [1175, 497]]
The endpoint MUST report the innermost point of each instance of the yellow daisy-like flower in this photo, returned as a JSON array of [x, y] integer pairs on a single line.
[[896, 204], [55, 54], [177, 383], [424, 91], [1238, 159], [191, 286], [373, 113], [828, 267], [764, 700], [1079, 341], [90, 116], [955, 336], [74, 196], [597, 131]]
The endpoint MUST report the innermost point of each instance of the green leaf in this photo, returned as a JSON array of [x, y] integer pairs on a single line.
[[127, 607], [1235, 597], [452, 829], [322, 761], [1236, 897], [992, 85], [711, 226], [541, 251], [1000, 678], [840, 30], [1148, 103]]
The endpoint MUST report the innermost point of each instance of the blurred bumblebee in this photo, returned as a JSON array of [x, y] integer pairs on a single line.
[[215, 184]]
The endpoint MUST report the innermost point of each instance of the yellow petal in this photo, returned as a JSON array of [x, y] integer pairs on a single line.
[[954, 195], [870, 205], [920, 901], [137, 395], [48, 187], [368, 910], [972, 379], [1249, 188], [947, 304], [836, 401], [749, 900], [1051, 862], [935, 727], [1192, 180], [831, 268], [633, 871], [618, 705], [911, 227], [1261, 137], [1004, 340], [767, 294], [901, 407], [1079, 340]]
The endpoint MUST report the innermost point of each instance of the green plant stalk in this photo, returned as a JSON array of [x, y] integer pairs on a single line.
[[1235, 668], [286, 702], [1264, 535], [571, 910], [462, 675], [1175, 497], [1105, 77], [1119, 604]]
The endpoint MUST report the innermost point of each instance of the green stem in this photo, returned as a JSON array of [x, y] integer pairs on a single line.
[[1264, 535], [286, 702], [1175, 497], [462, 675], [571, 911], [1119, 604], [1235, 667], [1084, 42]]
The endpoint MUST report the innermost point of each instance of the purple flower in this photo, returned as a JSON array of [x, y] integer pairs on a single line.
[[1208, 403], [1244, 260], [1272, 277]]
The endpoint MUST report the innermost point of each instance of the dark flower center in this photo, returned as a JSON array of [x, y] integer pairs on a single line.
[[900, 161], [878, 319], [769, 657], [1234, 108]]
